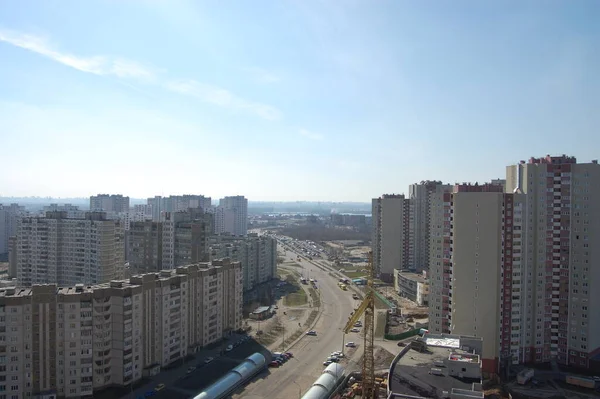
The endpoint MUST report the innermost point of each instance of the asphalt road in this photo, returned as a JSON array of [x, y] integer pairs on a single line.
[[296, 376]]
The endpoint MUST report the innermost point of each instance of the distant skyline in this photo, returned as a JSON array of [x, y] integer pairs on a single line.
[[288, 100]]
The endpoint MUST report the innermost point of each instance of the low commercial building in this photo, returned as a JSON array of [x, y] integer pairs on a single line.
[[439, 366], [261, 313], [75, 341], [412, 286]]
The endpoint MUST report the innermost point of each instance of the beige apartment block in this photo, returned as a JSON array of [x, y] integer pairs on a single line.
[[563, 246], [74, 341], [58, 250]]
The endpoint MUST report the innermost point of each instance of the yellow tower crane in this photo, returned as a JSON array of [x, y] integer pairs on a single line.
[[367, 307]]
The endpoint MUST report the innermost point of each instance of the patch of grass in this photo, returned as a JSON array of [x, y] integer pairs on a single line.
[[295, 298], [311, 318], [355, 274], [314, 296]]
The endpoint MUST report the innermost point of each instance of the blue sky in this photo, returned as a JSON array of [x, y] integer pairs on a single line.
[[289, 100]]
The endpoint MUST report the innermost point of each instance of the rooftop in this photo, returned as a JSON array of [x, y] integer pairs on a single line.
[[412, 375], [412, 276]]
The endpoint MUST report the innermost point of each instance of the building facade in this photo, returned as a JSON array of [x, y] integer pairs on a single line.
[[231, 216], [257, 254], [412, 286], [177, 203], [9, 214], [75, 341], [562, 241], [421, 196], [58, 250], [482, 270], [112, 203], [390, 234], [182, 238]]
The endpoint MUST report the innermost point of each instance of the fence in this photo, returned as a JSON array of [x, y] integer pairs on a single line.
[[404, 335]]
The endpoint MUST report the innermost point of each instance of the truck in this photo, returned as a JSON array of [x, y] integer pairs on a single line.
[[585, 382], [525, 376]]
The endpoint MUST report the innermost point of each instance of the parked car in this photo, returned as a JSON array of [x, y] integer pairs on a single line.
[[290, 354], [208, 360], [190, 370], [350, 344], [274, 364], [355, 330], [229, 347], [401, 344], [327, 362], [159, 387], [311, 332]]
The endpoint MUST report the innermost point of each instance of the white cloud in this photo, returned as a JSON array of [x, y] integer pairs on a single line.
[[263, 75], [310, 135], [98, 65], [223, 98]]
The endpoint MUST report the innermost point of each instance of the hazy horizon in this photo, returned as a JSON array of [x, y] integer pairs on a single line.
[[289, 100]]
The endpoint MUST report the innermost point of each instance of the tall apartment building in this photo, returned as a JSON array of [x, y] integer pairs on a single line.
[[421, 196], [390, 234], [231, 216], [563, 244], [476, 282], [177, 203], [9, 215], [58, 250], [181, 239], [109, 203], [76, 341], [257, 254]]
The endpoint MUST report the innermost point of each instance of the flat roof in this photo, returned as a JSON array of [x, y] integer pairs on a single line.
[[413, 276], [412, 374]]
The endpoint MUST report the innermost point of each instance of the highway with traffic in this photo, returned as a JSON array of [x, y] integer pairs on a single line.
[[310, 351]]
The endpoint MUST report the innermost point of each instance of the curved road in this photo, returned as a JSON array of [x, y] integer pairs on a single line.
[[297, 375]]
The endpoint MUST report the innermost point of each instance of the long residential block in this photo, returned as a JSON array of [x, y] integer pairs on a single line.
[[75, 341]]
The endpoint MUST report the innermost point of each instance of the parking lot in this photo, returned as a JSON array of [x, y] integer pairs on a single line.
[[191, 377], [206, 374]]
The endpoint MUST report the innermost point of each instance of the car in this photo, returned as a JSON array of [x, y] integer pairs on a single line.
[[350, 344], [358, 324], [229, 347], [355, 330], [274, 364], [290, 354], [159, 387], [327, 362], [208, 360], [190, 370], [311, 332], [401, 344]]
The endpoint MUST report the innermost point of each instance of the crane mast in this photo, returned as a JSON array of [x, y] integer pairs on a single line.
[[367, 307]]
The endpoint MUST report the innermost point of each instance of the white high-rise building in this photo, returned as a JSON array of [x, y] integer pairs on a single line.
[[9, 214], [58, 250], [231, 216], [420, 196], [177, 203], [257, 254], [109, 203], [390, 234], [76, 341]]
